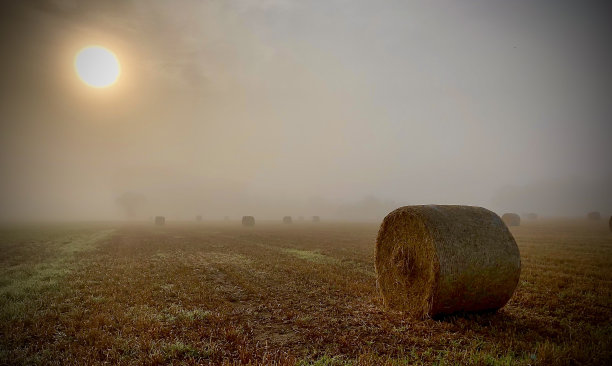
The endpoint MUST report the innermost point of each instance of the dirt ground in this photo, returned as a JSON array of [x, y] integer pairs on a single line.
[[305, 293]]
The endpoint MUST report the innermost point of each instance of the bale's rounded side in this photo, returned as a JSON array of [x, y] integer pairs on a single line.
[[511, 219], [433, 260], [248, 221]]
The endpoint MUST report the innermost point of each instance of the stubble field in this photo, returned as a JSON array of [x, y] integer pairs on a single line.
[[305, 293]]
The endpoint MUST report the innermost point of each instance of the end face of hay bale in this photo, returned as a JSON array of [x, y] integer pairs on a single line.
[[433, 260], [316, 219], [287, 220], [594, 216], [160, 220], [248, 221], [511, 219]]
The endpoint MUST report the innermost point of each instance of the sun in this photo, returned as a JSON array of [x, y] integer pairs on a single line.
[[97, 66]]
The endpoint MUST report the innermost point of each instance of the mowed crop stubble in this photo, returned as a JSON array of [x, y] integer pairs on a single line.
[[286, 294]]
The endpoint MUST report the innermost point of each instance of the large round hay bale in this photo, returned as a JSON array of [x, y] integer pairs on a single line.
[[160, 220], [287, 220], [594, 216], [433, 260], [511, 219], [248, 221]]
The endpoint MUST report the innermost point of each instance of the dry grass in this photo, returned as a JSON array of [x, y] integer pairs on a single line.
[[283, 294]]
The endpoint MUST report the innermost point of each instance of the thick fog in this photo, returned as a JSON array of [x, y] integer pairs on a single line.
[[343, 109]]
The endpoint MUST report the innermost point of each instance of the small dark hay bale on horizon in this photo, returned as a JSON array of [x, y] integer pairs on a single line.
[[316, 219], [434, 260], [199, 218], [511, 219], [248, 221], [594, 216], [287, 220], [532, 216], [160, 220]]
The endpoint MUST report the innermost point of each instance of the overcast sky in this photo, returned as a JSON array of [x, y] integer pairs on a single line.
[[344, 109]]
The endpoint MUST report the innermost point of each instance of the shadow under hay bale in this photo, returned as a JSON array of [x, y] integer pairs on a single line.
[[287, 220], [594, 216], [160, 220], [435, 260], [248, 221], [316, 219], [511, 219]]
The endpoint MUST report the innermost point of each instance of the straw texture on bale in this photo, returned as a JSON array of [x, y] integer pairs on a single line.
[[248, 221], [316, 219], [511, 219], [594, 216], [287, 220], [434, 260], [160, 220]]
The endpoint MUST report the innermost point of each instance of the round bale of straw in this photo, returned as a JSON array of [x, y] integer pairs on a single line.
[[434, 260], [248, 221], [287, 220], [511, 219], [160, 220], [594, 216]]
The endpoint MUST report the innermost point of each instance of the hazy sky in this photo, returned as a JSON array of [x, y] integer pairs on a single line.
[[343, 109]]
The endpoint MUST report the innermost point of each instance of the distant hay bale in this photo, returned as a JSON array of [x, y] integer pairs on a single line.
[[226, 218], [511, 219], [316, 219], [532, 216], [434, 260], [199, 218], [160, 220], [594, 216], [287, 220], [248, 221]]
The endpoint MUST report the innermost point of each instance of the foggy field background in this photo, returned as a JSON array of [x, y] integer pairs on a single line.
[[340, 109]]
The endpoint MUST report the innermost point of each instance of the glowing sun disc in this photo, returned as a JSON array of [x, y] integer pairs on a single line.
[[97, 67]]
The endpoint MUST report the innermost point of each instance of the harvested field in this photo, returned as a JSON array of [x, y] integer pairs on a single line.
[[284, 294]]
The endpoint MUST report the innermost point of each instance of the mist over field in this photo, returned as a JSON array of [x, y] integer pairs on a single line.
[[341, 109]]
